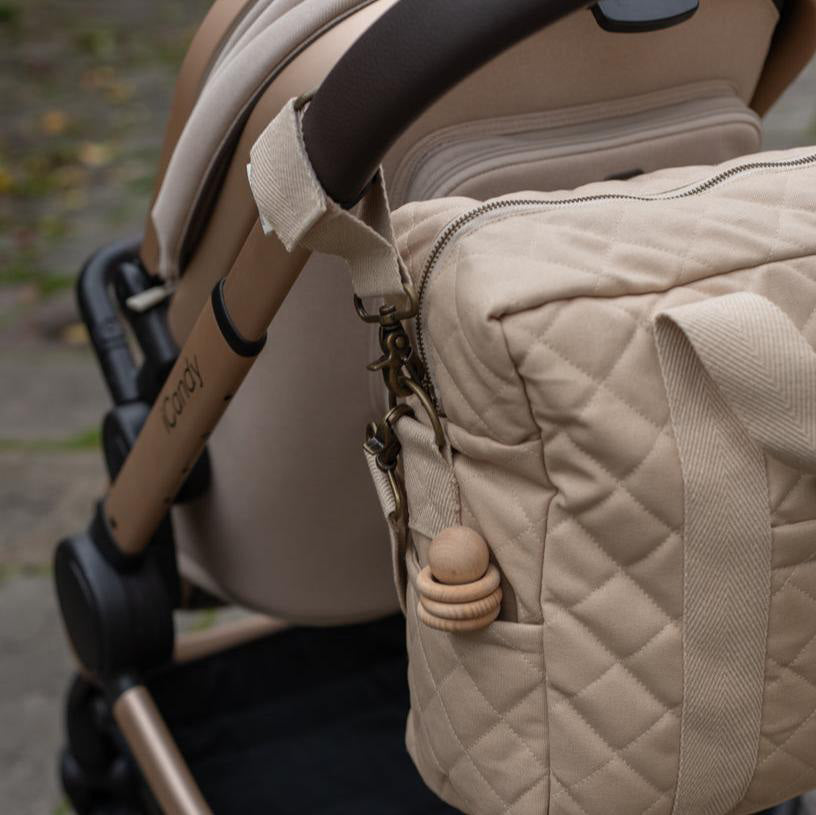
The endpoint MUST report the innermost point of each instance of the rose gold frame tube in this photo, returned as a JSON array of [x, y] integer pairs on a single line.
[[199, 644], [197, 391], [157, 755]]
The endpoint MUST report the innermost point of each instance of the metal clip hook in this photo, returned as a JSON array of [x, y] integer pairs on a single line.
[[382, 443], [389, 311], [398, 362], [403, 373]]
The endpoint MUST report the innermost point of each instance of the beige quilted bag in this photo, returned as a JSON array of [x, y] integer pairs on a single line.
[[625, 381]]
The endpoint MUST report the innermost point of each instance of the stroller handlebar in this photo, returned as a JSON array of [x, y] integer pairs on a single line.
[[409, 57]]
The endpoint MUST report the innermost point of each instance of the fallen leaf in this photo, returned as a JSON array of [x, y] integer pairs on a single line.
[[53, 122], [74, 334], [69, 178], [6, 181], [119, 92], [95, 154]]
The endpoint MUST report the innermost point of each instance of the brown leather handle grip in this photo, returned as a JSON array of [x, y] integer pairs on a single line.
[[413, 54]]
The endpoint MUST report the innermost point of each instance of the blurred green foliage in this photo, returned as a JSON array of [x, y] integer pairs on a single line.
[[89, 439]]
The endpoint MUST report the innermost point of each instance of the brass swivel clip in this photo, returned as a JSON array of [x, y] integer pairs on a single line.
[[382, 443], [402, 370], [398, 363]]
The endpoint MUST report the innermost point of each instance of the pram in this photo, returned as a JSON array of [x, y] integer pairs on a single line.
[[276, 514]]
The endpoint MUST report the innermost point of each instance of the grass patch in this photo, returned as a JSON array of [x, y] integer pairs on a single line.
[[10, 13], [53, 228], [141, 186], [54, 167], [22, 271], [99, 43], [80, 442], [49, 283], [63, 808], [10, 571]]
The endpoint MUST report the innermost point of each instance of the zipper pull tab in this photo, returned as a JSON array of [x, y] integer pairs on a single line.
[[150, 298]]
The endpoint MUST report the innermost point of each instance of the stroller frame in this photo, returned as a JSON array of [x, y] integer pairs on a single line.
[[118, 583]]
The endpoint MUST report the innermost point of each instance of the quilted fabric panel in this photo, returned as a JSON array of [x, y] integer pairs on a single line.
[[538, 331], [477, 729], [612, 592]]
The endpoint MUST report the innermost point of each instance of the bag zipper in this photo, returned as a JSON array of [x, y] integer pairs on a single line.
[[449, 232]]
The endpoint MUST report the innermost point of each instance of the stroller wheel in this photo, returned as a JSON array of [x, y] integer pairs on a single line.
[[94, 796], [98, 776]]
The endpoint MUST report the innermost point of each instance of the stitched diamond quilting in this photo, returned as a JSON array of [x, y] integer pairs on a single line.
[[512, 520], [480, 711], [793, 497], [627, 632]]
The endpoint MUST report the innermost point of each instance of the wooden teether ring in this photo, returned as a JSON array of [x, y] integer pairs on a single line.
[[459, 589], [464, 593], [456, 626], [463, 611]]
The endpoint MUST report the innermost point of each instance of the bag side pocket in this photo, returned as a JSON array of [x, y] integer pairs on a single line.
[[477, 730]]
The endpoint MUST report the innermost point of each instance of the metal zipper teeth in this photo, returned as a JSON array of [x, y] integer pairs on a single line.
[[463, 220]]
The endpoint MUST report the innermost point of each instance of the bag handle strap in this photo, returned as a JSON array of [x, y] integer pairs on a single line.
[[763, 367], [741, 384]]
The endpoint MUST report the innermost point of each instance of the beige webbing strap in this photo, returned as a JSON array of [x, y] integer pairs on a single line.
[[431, 492], [396, 532], [430, 483], [292, 203], [741, 383]]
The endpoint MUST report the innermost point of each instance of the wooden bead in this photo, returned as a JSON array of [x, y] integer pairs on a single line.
[[463, 611], [455, 626], [466, 593], [458, 555]]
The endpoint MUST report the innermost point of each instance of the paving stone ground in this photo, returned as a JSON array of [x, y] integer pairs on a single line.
[[89, 83], [35, 669]]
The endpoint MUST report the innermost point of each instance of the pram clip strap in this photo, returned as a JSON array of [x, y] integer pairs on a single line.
[[292, 204]]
